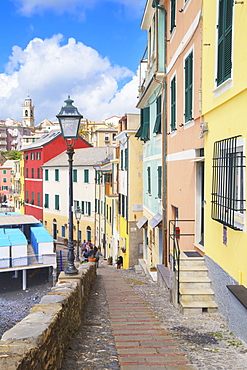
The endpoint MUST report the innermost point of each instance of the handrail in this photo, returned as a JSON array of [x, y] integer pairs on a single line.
[[174, 236]]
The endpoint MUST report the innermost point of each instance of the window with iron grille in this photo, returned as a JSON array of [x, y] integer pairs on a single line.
[[228, 200], [173, 103], [224, 64], [188, 97]]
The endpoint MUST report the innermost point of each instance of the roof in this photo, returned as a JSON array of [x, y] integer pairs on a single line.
[[83, 157], [45, 139], [8, 164], [17, 220]]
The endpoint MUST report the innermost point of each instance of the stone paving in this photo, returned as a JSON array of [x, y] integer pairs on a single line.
[[129, 324]]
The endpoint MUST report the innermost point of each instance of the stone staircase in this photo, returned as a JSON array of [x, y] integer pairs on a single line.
[[32, 258], [196, 295]]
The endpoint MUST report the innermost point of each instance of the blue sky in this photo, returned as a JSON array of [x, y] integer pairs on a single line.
[[88, 49]]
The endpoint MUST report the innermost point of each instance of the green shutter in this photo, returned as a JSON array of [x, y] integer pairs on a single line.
[[224, 65], [159, 181], [157, 126], [86, 176], [57, 202], [46, 205], [188, 87], [121, 161], [173, 14], [46, 175], [82, 208], [74, 175], [173, 103], [139, 131], [89, 208], [149, 180], [146, 119], [56, 175], [126, 159]]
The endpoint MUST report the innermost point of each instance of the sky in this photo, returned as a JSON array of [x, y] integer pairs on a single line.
[[88, 49]]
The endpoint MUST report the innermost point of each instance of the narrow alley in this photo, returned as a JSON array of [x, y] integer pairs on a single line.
[[129, 324]]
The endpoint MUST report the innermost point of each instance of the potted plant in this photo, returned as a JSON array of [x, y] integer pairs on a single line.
[[109, 260], [65, 241], [153, 273], [123, 250], [153, 268]]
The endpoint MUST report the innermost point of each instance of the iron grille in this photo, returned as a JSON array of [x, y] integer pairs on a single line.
[[227, 182]]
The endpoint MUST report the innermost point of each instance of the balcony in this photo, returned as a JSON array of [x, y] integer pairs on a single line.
[[111, 189]]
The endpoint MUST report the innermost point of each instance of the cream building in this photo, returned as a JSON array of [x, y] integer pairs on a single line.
[[56, 191]]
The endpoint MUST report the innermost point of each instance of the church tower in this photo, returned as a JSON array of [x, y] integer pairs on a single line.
[[28, 112]]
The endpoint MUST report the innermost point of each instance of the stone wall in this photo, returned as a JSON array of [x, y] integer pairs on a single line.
[[38, 341]]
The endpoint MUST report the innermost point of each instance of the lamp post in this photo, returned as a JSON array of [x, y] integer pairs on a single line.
[[78, 217], [69, 119]]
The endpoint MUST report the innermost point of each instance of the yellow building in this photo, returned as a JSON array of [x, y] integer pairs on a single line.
[[224, 96]]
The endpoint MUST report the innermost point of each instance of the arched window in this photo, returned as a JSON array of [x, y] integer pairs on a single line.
[[89, 233]]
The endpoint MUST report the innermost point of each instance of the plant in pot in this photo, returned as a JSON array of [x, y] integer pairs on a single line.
[[153, 268], [109, 260], [65, 241], [123, 250]]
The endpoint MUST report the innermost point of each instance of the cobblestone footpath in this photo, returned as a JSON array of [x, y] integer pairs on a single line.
[[121, 297]]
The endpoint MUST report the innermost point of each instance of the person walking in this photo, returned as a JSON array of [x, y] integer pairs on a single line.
[[97, 256]]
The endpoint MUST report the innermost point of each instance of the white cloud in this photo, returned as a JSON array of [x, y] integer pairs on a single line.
[[30, 7], [50, 70]]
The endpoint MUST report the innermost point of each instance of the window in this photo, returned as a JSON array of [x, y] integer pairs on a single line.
[[173, 14], [86, 208], [57, 202], [173, 103], [32, 200], [123, 206], [149, 180], [38, 173], [26, 172], [228, 201], [86, 176], [224, 63], [4, 179], [126, 159], [38, 199], [76, 204], [46, 175], [26, 200], [188, 87], [107, 137], [4, 172], [159, 181], [32, 173], [38, 155], [32, 156], [63, 231], [157, 126], [46, 205], [56, 175], [121, 160], [114, 137], [5, 187], [74, 175], [143, 131]]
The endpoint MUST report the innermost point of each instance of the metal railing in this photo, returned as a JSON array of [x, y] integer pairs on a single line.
[[174, 248]]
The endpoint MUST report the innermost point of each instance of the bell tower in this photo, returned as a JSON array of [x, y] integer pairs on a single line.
[[28, 112]]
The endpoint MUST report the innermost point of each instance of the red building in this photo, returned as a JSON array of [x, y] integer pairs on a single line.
[[35, 155]]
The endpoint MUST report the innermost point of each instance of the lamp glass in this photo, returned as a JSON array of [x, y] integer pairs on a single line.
[[69, 127], [77, 214]]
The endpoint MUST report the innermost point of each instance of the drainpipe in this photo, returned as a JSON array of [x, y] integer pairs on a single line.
[[164, 176]]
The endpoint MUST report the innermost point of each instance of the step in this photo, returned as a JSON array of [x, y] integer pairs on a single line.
[[195, 271], [192, 261], [191, 282], [197, 294], [138, 269], [191, 307]]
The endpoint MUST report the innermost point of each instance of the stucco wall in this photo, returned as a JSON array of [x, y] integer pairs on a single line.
[[40, 339]]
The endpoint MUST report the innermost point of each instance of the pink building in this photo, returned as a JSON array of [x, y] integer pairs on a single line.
[[6, 183]]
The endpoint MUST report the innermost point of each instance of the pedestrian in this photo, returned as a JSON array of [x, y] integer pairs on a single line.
[[85, 255], [91, 255], [119, 262], [97, 256], [83, 247]]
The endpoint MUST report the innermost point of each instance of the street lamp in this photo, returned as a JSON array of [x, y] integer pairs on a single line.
[[69, 119], [78, 217]]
